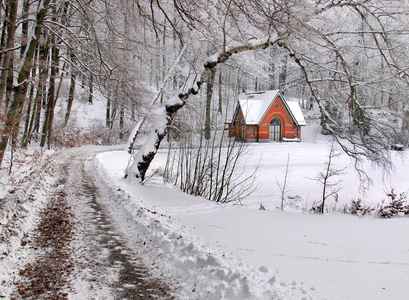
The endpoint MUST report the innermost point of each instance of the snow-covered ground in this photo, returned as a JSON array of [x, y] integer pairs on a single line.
[[215, 251]]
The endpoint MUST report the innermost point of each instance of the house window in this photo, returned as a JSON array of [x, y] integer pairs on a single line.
[[295, 131], [252, 132], [276, 106]]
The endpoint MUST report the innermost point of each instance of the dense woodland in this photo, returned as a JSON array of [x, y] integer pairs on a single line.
[[348, 57]]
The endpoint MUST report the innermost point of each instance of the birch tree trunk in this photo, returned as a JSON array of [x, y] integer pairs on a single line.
[[147, 153]]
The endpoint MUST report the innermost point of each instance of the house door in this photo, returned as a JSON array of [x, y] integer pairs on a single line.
[[275, 129]]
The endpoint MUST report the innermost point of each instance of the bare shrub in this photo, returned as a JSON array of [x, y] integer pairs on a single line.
[[209, 168], [96, 134]]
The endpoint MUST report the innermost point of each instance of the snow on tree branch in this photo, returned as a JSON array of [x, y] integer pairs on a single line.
[[145, 155]]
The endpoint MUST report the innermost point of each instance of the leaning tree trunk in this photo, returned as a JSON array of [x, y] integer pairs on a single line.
[[137, 128], [146, 154]]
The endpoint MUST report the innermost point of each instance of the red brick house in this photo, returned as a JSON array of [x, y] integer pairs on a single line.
[[266, 116]]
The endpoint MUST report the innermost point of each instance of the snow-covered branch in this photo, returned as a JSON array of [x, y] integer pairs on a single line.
[[137, 128], [146, 154]]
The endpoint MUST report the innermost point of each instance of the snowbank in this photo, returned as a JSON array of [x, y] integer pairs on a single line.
[[22, 197]]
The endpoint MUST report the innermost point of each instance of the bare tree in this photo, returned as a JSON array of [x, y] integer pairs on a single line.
[[207, 167], [330, 187], [284, 185]]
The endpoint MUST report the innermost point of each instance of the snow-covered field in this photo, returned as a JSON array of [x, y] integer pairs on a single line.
[[215, 251]]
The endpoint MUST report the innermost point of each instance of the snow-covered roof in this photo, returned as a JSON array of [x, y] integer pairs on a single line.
[[295, 110], [254, 106]]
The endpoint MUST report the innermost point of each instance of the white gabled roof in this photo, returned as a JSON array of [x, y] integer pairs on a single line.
[[255, 105], [295, 110]]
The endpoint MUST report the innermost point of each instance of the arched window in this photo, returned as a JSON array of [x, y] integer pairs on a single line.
[[275, 129]]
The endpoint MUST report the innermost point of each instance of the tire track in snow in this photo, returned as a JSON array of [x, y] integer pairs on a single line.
[[112, 263], [76, 251]]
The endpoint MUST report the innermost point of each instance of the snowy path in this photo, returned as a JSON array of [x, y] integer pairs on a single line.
[[77, 251]]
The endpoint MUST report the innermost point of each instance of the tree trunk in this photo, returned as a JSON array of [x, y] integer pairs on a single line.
[[29, 115], [209, 95], [70, 98], [71, 92], [404, 139], [20, 90], [10, 80], [133, 112], [91, 88], [283, 74], [108, 111], [6, 72], [51, 100], [39, 99], [3, 29], [137, 128], [113, 114], [24, 27], [121, 123], [220, 92]]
